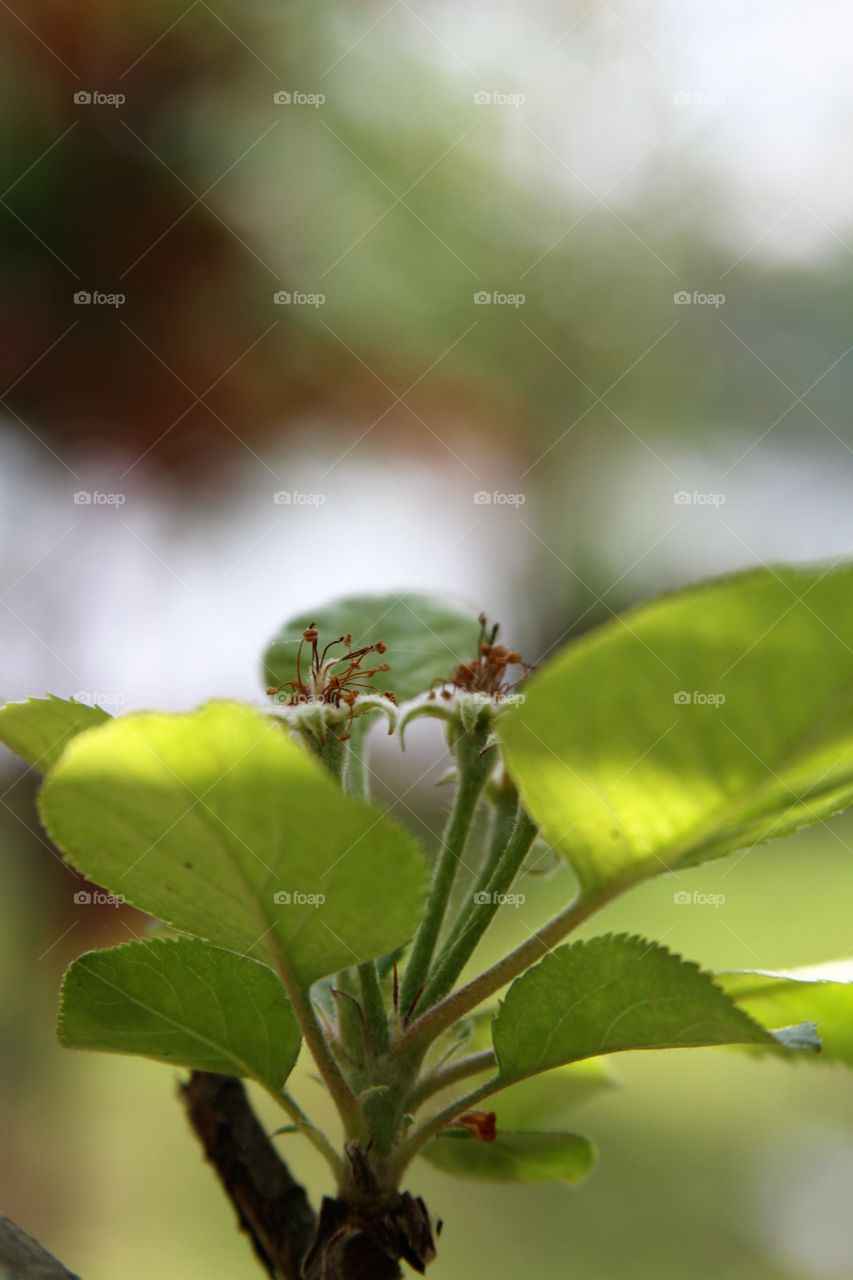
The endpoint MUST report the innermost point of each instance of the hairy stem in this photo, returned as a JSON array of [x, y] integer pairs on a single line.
[[373, 1004], [430, 1128], [321, 1051], [505, 802], [481, 911], [315, 1135], [474, 765], [446, 1076], [442, 1015]]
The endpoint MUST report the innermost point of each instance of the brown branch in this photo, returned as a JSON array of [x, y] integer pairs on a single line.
[[22, 1258], [272, 1208]]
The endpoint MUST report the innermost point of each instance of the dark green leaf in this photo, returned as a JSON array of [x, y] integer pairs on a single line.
[[513, 1157], [427, 638], [184, 1002]]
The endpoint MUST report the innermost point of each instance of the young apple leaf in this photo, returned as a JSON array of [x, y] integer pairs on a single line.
[[427, 638], [607, 995], [216, 823], [39, 729], [550, 1098], [513, 1157], [184, 1002], [709, 721], [822, 993]]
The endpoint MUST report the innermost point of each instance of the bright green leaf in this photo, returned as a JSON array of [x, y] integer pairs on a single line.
[[823, 994], [709, 721], [218, 824], [182, 1002], [611, 994], [513, 1157], [39, 729], [427, 638]]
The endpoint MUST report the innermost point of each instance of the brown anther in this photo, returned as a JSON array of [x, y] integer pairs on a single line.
[[380, 646]]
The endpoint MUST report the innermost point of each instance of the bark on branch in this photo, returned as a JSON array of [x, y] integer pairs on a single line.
[[272, 1207]]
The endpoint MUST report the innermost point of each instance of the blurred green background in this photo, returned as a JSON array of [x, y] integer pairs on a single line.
[[545, 305]]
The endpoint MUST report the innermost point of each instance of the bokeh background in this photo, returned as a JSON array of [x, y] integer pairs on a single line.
[[546, 305]]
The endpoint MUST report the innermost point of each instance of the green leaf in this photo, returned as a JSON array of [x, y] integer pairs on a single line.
[[632, 764], [182, 1002], [822, 994], [218, 824], [545, 1100], [513, 1157], [39, 729], [549, 1099], [427, 638], [611, 994]]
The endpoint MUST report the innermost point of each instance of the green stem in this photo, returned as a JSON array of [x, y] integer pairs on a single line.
[[330, 751], [430, 1128], [506, 805], [342, 1095], [481, 911], [446, 1076], [373, 1004], [449, 1010], [350, 1015], [355, 774], [315, 1135], [474, 766]]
